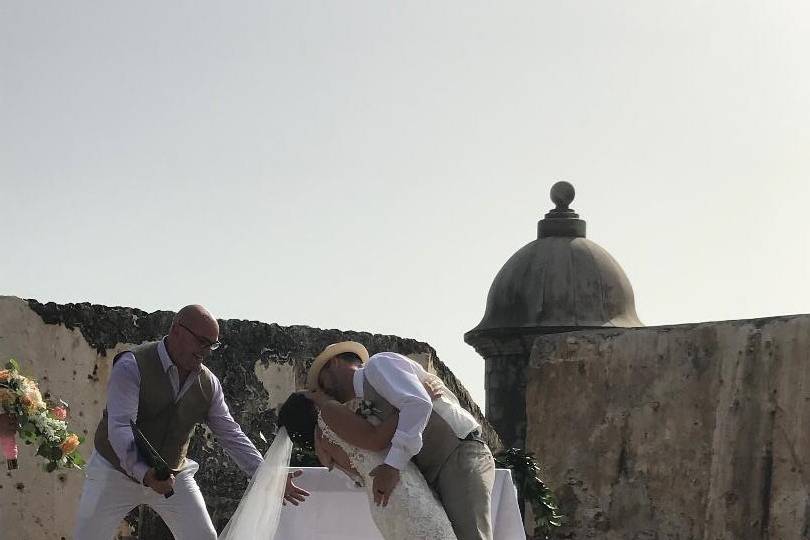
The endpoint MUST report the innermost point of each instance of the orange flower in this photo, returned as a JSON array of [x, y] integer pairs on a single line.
[[4, 375], [70, 444]]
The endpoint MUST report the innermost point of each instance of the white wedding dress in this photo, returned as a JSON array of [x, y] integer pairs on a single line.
[[413, 511]]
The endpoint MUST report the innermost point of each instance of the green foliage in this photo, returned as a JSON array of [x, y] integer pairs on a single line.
[[526, 474], [78, 461], [303, 455], [51, 453]]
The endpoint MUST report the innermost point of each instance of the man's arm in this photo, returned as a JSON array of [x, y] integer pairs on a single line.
[[396, 379], [230, 435], [122, 406], [239, 448]]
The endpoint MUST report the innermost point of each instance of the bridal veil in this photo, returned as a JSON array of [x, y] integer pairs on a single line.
[[258, 513]]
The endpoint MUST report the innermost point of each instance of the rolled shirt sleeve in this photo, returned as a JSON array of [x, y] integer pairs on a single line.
[[230, 434], [396, 379], [122, 406]]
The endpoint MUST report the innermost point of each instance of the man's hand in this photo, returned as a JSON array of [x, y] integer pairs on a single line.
[[386, 479], [160, 486], [7, 425], [292, 493]]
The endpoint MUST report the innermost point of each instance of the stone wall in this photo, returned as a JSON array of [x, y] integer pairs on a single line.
[[694, 431], [69, 349]]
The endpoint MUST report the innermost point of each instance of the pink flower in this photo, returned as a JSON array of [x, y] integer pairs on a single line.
[[60, 413]]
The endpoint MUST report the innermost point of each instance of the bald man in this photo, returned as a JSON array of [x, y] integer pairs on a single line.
[[165, 388]]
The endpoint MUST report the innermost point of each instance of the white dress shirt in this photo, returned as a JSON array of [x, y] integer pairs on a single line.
[[398, 380]]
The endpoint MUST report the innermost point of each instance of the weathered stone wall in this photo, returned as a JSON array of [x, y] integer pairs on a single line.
[[694, 431], [69, 349]]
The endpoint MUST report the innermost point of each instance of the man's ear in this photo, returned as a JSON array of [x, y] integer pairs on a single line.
[[173, 332], [322, 373]]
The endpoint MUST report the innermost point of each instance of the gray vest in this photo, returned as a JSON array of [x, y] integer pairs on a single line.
[[438, 440], [168, 425]]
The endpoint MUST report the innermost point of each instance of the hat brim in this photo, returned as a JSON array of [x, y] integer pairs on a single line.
[[330, 352]]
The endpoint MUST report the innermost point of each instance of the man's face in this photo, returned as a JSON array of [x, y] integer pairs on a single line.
[[192, 342], [328, 377]]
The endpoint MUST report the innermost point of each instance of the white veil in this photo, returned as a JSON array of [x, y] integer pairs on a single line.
[[259, 511]]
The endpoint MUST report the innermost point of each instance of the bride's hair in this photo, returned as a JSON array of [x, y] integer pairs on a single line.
[[299, 416]]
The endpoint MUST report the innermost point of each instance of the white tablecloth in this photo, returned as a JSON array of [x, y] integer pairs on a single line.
[[337, 510]]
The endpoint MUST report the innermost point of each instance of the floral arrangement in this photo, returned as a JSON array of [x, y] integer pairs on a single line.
[[366, 409], [36, 422]]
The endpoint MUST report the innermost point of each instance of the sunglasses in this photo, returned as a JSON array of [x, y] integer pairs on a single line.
[[204, 342]]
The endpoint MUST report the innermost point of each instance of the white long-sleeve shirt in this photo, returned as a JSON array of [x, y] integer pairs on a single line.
[[398, 380]]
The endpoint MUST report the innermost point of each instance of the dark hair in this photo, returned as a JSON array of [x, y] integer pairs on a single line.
[[349, 357], [299, 416]]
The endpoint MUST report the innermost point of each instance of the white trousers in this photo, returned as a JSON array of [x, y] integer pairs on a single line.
[[108, 496]]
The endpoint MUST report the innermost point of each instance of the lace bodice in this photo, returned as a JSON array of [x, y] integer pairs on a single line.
[[363, 461], [413, 511]]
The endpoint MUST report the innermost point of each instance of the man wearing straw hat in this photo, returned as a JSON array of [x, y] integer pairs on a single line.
[[442, 438]]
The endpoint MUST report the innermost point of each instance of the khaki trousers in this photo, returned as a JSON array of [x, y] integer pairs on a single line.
[[465, 485]]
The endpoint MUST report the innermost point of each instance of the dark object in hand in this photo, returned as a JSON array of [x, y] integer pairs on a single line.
[[152, 457]]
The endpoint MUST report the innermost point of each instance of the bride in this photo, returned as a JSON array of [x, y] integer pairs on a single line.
[[355, 443]]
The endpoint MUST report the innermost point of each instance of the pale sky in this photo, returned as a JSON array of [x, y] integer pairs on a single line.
[[371, 165]]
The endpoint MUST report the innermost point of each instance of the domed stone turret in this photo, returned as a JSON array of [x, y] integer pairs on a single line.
[[559, 282]]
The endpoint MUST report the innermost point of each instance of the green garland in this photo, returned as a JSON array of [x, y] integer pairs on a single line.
[[526, 474]]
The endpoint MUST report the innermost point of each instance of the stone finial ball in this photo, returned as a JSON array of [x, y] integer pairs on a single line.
[[562, 194]]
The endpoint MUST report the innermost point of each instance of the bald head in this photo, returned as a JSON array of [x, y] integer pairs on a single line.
[[195, 314], [194, 330]]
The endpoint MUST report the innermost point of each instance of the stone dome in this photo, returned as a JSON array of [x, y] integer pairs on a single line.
[[560, 281]]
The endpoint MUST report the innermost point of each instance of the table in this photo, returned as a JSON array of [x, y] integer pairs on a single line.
[[338, 510]]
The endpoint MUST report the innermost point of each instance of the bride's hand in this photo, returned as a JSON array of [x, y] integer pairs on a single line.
[[434, 387]]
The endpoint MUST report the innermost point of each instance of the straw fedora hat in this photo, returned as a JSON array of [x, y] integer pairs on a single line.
[[330, 352]]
